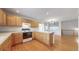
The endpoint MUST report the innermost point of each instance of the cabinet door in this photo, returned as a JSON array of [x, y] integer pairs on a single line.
[[2, 18], [19, 21], [11, 20], [1, 48], [7, 45], [34, 24], [14, 21], [17, 38], [33, 35]]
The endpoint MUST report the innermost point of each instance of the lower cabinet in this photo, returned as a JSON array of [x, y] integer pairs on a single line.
[[1, 49], [7, 45], [33, 36], [13, 39], [17, 38]]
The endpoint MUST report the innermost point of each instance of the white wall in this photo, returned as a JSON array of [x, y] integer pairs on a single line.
[[69, 25], [59, 27], [78, 26]]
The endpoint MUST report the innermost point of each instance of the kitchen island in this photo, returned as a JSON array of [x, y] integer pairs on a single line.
[[43, 37]]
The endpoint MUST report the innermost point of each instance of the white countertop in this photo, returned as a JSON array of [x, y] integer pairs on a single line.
[[44, 31], [3, 37]]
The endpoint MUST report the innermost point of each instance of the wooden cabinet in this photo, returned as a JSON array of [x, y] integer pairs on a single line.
[[43, 37], [11, 21], [2, 18], [1, 48], [7, 44], [14, 20], [33, 35], [14, 39], [17, 38], [34, 24], [19, 21]]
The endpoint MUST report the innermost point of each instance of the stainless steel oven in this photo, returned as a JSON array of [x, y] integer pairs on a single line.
[[27, 35]]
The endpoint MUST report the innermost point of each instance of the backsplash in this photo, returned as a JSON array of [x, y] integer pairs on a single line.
[[6, 29], [14, 29]]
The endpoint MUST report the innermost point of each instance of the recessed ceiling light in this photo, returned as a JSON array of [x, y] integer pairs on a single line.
[[17, 11]]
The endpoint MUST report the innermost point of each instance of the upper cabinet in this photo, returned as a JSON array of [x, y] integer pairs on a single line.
[[9, 20], [2, 18], [19, 21], [14, 20], [34, 24]]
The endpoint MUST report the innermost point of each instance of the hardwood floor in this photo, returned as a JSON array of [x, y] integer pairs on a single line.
[[67, 43], [30, 46]]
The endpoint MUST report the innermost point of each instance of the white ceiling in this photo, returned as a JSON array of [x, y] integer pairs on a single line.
[[42, 14]]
